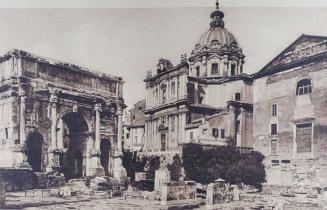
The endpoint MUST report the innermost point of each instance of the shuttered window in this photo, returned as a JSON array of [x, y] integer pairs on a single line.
[[303, 137], [273, 147]]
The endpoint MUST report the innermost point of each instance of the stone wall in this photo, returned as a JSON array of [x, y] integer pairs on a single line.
[[17, 179], [178, 193], [219, 192]]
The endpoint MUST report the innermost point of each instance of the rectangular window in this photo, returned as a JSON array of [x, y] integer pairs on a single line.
[[273, 129], [303, 137], [191, 135], [6, 131], [222, 133], [214, 69], [233, 68], [127, 135], [273, 147], [215, 132], [204, 131], [274, 110], [237, 96], [197, 71]]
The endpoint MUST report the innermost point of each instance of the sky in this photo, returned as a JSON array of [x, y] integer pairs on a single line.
[[126, 39]]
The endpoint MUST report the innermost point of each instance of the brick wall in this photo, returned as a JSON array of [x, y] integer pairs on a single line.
[[288, 166]]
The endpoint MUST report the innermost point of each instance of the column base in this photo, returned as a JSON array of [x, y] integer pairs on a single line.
[[119, 170], [20, 157], [54, 161], [96, 168]]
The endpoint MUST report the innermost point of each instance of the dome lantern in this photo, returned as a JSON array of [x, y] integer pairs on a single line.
[[217, 17]]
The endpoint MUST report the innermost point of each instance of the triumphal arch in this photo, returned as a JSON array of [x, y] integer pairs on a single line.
[[59, 117]]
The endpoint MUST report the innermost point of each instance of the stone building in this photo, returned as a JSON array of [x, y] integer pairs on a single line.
[[279, 111], [290, 116], [59, 117], [134, 137], [209, 84]]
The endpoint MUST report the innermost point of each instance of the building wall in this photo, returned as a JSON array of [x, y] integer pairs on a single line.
[[218, 95], [295, 167]]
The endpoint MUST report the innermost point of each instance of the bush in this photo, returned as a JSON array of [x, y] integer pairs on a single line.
[[207, 165], [133, 163], [175, 168]]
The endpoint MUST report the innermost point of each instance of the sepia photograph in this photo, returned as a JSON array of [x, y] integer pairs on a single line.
[[163, 105]]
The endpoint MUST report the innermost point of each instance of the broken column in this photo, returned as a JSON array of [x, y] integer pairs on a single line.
[[96, 168], [119, 170]]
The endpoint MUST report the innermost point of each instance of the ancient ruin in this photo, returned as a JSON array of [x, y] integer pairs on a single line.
[[58, 117]]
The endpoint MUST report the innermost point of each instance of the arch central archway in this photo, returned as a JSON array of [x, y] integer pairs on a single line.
[[34, 145], [73, 136]]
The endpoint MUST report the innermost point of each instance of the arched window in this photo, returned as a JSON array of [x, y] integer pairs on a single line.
[[303, 87]]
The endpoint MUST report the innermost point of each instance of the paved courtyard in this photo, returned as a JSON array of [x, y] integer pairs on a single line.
[[18, 200]]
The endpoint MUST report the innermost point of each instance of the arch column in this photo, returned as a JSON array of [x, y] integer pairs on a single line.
[[53, 151], [119, 170], [96, 168], [21, 148]]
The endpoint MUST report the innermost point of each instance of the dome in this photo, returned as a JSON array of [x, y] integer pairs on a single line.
[[215, 38]]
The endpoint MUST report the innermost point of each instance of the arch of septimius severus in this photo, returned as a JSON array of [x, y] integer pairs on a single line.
[[59, 117]]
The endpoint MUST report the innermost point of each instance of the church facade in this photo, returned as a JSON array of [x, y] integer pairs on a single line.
[[279, 111], [58, 117], [205, 99]]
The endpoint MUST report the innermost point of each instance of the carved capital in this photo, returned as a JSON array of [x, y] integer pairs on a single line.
[[75, 108], [53, 98], [98, 108], [21, 91]]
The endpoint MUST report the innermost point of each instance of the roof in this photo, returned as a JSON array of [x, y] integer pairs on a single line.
[[23, 54], [305, 49]]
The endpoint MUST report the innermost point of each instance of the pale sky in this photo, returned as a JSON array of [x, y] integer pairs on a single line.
[[129, 41]]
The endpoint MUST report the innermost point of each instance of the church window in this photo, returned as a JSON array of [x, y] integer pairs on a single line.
[[214, 69], [215, 132], [273, 147], [197, 71], [222, 133], [238, 126], [304, 137], [303, 87], [237, 96], [233, 68]]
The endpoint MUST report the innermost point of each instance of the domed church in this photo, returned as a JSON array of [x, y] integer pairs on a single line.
[[205, 99], [279, 111]]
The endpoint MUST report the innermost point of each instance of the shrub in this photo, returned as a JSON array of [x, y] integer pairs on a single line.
[[175, 168], [133, 163], [206, 165]]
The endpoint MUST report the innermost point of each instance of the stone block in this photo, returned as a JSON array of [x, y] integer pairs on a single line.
[[161, 176]]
